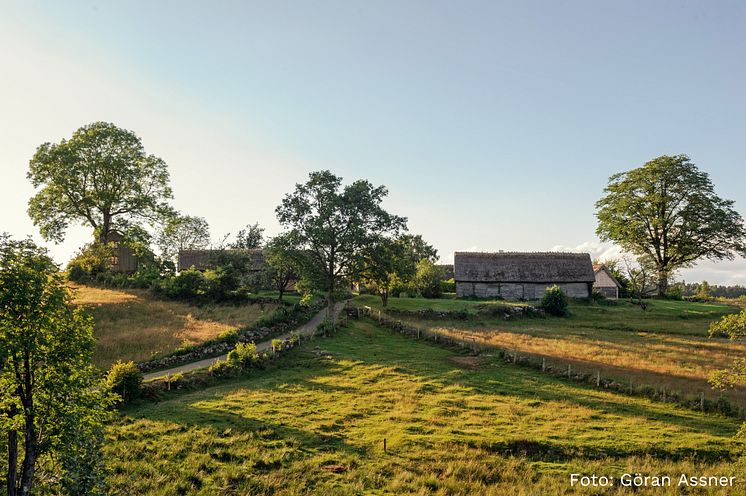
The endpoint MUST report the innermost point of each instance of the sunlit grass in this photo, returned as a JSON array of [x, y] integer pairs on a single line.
[[132, 325], [315, 422], [666, 346]]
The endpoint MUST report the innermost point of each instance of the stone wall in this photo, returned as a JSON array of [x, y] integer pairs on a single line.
[[518, 291]]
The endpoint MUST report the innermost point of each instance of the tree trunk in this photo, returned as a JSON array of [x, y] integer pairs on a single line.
[[12, 461], [29, 459], [384, 298], [662, 283]]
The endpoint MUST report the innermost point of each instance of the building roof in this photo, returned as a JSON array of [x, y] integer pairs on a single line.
[[601, 267], [538, 267], [205, 259]]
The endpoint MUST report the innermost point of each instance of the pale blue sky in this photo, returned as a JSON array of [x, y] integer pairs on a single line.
[[495, 125]]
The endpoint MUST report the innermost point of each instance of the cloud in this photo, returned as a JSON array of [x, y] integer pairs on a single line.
[[725, 272]]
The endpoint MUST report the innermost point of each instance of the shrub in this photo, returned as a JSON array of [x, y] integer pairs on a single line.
[[125, 379], [244, 355], [554, 302], [90, 262], [428, 279], [731, 326], [448, 286], [189, 284]]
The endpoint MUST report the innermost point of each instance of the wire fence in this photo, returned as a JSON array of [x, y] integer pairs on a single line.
[[553, 366]]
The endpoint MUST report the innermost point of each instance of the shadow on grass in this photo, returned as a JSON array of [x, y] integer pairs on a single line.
[[426, 364]]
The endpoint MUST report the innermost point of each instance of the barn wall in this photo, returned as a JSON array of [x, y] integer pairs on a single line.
[[517, 291], [609, 292]]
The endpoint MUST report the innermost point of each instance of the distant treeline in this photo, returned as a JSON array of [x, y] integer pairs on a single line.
[[691, 289]]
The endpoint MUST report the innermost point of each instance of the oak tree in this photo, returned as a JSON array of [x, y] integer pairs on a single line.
[[100, 177], [333, 224], [667, 212]]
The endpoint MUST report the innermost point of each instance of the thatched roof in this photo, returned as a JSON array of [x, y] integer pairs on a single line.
[[539, 267], [206, 259]]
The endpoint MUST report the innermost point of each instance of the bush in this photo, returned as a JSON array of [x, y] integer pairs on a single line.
[[448, 286], [92, 262], [188, 285], [244, 355], [554, 302], [125, 379], [428, 279], [731, 326]]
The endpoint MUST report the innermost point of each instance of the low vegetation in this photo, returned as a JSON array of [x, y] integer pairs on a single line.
[[133, 325], [666, 346], [315, 421]]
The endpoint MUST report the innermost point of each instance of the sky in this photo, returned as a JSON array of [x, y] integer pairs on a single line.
[[494, 125]]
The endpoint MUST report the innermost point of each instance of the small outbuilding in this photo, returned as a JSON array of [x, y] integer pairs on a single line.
[[522, 276], [122, 259], [605, 282]]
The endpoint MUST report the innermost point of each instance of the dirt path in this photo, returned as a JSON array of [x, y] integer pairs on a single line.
[[305, 330]]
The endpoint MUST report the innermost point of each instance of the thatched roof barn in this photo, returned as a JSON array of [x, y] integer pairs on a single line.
[[605, 282], [208, 259], [522, 276]]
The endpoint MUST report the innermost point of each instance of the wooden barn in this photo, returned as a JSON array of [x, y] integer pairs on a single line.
[[122, 259], [522, 276], [605, 282], [208, 259]]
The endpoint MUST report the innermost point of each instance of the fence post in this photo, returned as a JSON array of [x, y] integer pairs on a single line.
[[569, 370], [543, 364], [598, 378], [379, 316], [702, 401], [664, 394]]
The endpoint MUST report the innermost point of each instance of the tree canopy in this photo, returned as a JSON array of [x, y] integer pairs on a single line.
[[183, 232], [49, 389], [334, 224], [667, 212], [100, 177], [250, 237]]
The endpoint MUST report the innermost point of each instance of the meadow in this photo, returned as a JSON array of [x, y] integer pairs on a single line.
[[665, 346], [314, 422], [133, 325]]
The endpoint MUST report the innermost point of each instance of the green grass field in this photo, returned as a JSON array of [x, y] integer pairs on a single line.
[[314, 423], [666, 346]]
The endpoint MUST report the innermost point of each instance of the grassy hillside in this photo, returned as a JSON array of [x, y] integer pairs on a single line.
[[314, 422], [665, 346], [132, 325]]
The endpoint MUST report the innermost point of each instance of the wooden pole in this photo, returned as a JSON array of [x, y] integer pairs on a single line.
[[543, 364], [569, 370], [384, 445], [598, 378], [702, 401]]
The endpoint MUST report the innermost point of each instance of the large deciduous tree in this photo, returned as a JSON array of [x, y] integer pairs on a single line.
[[183, 232], [667, 212], [386, 263], [249, 238], [334, 225], [100, 177], [284, 262], [52, 404]]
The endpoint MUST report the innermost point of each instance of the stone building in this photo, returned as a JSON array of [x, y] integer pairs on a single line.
[[522, 276], [605, 282]]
